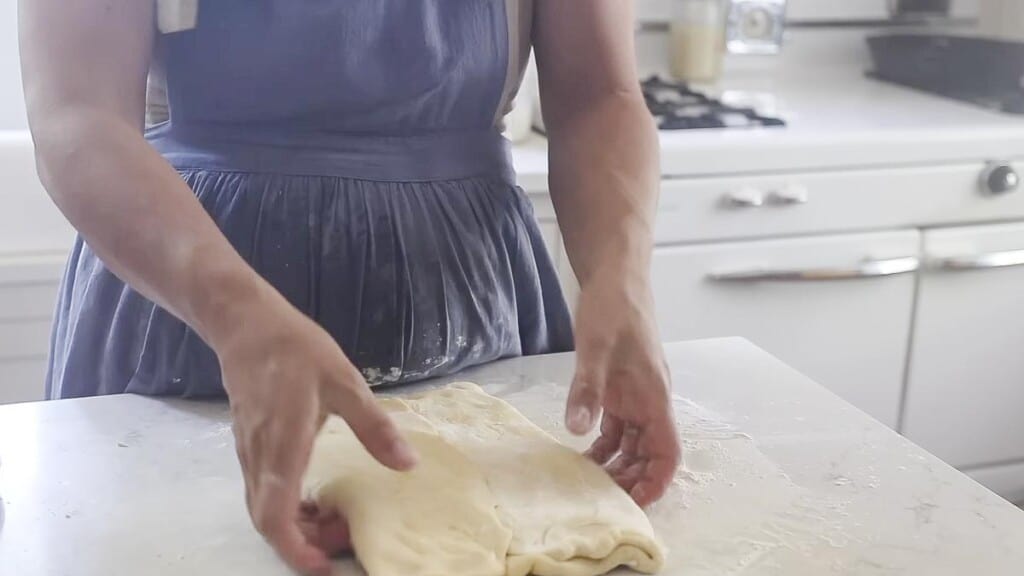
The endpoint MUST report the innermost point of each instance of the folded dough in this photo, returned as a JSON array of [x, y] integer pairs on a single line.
[[493, 495]]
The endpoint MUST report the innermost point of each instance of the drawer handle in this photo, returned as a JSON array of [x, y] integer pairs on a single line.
[[986, 261], [789, 196], [745, 198], [866, 269]]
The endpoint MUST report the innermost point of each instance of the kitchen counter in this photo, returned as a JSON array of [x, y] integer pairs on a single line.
[[838, 118], [781, 477]]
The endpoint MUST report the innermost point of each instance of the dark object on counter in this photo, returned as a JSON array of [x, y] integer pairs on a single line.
[[982, 71], [676, 106], [919, 7]]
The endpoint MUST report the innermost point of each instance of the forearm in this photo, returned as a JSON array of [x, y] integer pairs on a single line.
[[142, 220], [604, 178]]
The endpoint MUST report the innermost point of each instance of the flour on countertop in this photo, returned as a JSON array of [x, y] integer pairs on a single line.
[[730, 510]]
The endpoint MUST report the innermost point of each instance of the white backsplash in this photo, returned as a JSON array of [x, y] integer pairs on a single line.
[[812, 10], [804, 48]]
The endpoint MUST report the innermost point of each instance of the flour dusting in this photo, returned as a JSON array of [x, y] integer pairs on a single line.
[[730, 510]]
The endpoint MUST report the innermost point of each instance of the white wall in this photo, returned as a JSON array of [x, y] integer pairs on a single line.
[[12, 105]]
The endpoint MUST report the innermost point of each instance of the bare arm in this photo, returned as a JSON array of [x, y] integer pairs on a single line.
[[85, 64], [603, 146], [603, 156]]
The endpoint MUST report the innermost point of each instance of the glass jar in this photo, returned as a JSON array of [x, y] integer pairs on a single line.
[[697, 31]]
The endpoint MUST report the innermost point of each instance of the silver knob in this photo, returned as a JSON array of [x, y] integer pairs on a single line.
[[999, 178], [788, 196], [745, 198]]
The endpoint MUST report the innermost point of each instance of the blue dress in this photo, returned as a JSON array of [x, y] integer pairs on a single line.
[[350, 150]]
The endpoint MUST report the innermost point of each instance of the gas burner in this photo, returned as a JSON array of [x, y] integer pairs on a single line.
[[676, 106]]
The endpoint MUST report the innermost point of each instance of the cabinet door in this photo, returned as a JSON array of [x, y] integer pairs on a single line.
[[1006, 480], [837, 308], [965, 395], [28, 293]]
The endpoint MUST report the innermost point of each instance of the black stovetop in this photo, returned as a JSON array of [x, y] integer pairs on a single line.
[[676, 106]]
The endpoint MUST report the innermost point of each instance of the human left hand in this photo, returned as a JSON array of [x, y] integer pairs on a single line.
[[622, 380]]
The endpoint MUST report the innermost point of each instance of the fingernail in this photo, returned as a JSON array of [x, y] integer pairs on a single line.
[[580, 420], [405, 454], [639, 494]]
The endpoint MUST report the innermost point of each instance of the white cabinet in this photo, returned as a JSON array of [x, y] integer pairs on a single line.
[[786, 295], [1006, 480], [965, 391], [28, 294]]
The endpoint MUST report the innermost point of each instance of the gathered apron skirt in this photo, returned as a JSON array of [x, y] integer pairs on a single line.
[[419, 255]]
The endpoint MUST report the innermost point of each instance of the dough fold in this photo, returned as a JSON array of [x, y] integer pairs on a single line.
[[493, 495]]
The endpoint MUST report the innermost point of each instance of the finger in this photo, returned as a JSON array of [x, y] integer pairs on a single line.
[[607, 444], [630, 441], [327, 531], [586, 398], [655, 482], [584, 405], [631, 475], [621, 462], [621, 470], [374, 428], [243, 462], [308, 510], [586, 395], [627, 451], [661, 443], [279, 526], [274, 455]]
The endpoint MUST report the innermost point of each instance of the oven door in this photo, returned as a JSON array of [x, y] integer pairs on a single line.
[[837, 308], [965, 391]]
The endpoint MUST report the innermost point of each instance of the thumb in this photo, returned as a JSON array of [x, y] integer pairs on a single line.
[[586, 396], [372, 425]]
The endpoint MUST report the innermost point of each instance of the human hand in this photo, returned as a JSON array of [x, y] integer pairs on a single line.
[[284, 375], [621, 377]]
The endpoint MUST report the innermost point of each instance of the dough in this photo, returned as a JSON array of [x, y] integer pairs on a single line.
[[493, 495]]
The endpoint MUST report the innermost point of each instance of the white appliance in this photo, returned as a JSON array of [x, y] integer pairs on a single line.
[[914, 321]]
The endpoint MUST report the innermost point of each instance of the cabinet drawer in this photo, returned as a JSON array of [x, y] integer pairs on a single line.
[[849, 335], [965, 390], [28, 294], [22, 380], [22, 339], [28, 301], [28, 286], [838, 201]]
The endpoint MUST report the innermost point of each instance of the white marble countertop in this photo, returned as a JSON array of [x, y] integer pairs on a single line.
[[781, 477], [837, 118]]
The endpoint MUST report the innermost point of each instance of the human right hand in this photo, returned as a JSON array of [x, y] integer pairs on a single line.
[[284, 375], [622, 381]]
